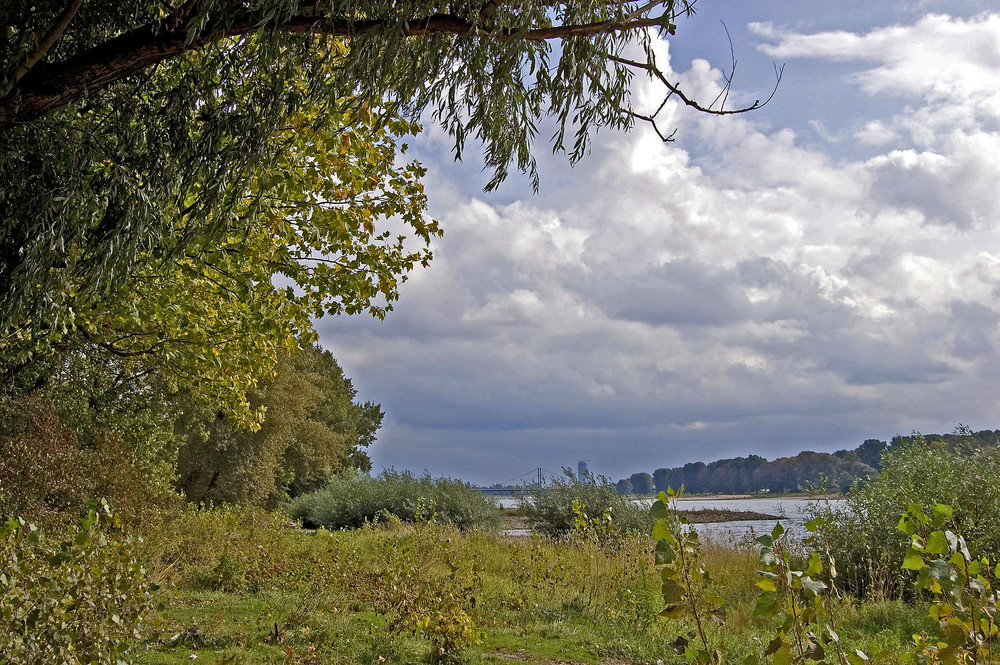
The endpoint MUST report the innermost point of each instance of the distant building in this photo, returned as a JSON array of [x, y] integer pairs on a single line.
[[581, 470]]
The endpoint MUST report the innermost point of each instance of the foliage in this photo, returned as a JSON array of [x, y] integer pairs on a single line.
[[642, 483], [77, 600], [190, 182], [962, 588], [802, 604], [57, 452], [312, 428], [214, 293], [863, 533], [353, 596], [684, 581], [352, 500], [550, 511], [806, 471], [624, 486]]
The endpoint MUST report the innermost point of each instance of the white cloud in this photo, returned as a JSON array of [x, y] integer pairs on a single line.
[[949, 63]]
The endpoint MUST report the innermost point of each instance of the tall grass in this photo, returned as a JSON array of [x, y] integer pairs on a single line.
[[352, 500]]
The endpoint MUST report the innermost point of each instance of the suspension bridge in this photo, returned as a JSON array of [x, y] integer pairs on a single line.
[[528, 482]]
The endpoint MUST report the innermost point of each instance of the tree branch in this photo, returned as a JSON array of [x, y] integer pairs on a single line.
[[50, 86], [673, 89], [46, 44]]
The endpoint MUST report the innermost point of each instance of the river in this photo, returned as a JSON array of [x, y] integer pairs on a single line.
[[789, 510]]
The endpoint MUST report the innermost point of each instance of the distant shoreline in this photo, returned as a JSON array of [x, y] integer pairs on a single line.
[[726, 497]]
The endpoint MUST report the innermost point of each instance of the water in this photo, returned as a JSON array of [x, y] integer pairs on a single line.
[[790, 510]]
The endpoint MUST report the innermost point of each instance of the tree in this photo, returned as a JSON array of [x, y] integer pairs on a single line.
[[213, 317], [870, 452], [642, 483], [312, 428], [125, 125]]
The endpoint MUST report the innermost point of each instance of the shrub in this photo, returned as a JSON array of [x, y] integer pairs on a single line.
[[352, 500], [52, 464], [863, 536], [80, 600], [551, 512]]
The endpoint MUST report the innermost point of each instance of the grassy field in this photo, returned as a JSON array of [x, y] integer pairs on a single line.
[[242, 586]]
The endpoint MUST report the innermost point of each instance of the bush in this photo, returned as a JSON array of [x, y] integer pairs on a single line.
[[80, 600], [352, 500], [551, 513], [52, 464], [863, 536]]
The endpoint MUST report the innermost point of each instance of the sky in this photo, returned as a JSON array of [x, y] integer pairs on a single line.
[[804, 277]]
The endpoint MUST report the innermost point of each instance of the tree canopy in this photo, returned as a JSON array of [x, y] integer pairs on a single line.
[[312, 428]]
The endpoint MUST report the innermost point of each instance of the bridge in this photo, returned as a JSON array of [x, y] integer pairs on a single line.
[[525, 484]]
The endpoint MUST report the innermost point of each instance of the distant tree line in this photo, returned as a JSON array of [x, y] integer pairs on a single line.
[[807, 471]]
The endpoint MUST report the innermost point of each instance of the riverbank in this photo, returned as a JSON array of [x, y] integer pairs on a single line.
[[518, 525]]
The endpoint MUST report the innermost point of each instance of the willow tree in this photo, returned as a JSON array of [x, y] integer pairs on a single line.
[[149, 140]]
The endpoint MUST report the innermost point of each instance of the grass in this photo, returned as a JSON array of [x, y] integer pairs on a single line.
[[245, 587]]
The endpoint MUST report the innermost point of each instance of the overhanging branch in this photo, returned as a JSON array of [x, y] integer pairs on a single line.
[[48, 86]]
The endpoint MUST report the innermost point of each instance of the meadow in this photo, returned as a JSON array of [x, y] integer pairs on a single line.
[[246, 587]]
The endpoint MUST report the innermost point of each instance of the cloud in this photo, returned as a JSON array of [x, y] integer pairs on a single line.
[[939, 60], [737, 291]]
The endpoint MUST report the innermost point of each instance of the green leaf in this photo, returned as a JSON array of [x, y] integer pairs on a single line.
[[662, 532], [765, 606], [814, 587], [912, 560], [782, 657], [659, 510], [906, 525], [664, 554], [813, 525], [697, 656], [937, 543], [942, 510], [815, 565], [672, 592], [772, 647], [940, 569], [766, 584]]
